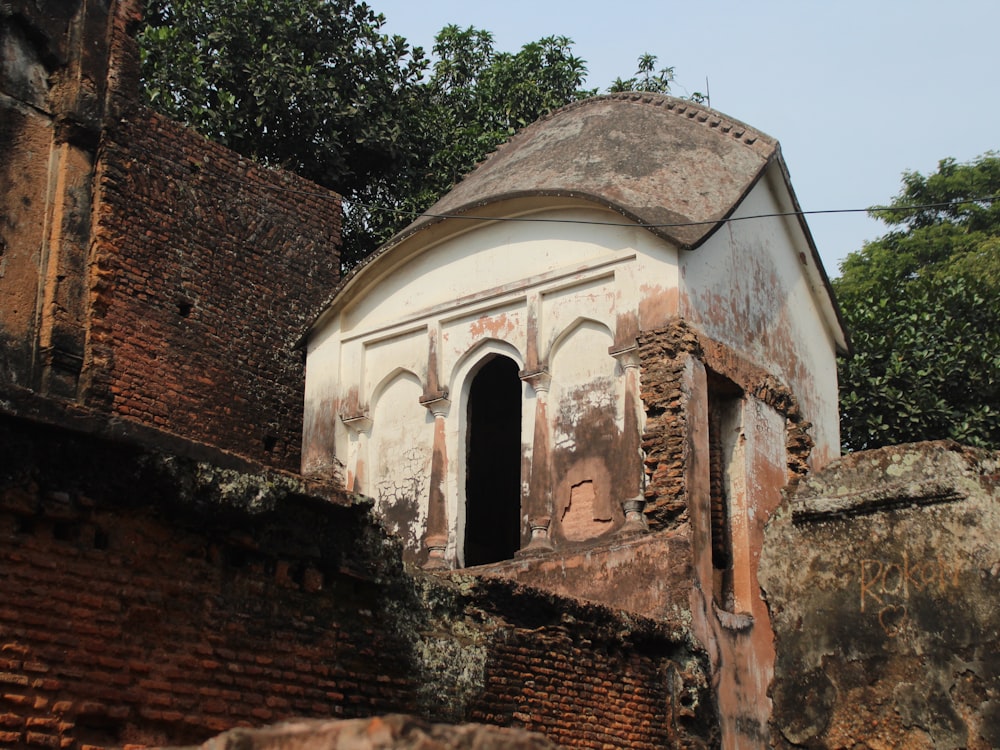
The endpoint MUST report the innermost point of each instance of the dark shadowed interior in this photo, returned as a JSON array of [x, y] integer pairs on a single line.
[[493, 481]]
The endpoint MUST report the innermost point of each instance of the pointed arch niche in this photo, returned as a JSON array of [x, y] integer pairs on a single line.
[[399, 450], [586, 428]]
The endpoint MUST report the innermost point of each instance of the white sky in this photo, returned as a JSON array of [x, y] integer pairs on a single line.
[[856, 92]]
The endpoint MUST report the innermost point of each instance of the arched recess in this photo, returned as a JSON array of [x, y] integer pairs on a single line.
[[490, 395], [399, 456], [389, 380], [493, 464], [587, 324], [586, 397]]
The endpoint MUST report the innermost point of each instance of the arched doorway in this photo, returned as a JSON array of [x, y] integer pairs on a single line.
[[493, 468]]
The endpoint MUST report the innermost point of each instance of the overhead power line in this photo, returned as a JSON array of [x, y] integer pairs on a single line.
[[414, 215]]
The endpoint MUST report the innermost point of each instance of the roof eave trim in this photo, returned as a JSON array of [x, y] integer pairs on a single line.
[[844, 345]]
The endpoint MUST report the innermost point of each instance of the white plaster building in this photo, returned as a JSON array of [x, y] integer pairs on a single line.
[[480, 375]]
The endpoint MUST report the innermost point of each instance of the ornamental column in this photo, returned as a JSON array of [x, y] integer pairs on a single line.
[[436, 536], [539, 500], [633, 500]]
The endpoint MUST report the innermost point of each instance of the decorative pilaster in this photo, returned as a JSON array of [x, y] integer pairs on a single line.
[[360, 427], [436, 536], [539, 501], [633, 501]]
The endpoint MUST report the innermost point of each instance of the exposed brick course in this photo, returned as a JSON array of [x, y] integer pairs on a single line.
[[205, 268], [664, 441], [663, 354]]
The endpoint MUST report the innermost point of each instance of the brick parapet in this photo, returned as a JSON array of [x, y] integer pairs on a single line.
[[204, 270]]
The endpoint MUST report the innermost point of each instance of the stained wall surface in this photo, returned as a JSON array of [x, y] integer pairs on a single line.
[[882, 580], [394, 363], [54, 73], [753, 287], [566, 301]]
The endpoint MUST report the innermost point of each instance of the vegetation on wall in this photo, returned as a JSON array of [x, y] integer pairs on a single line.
[[923, 306], [316, 87]]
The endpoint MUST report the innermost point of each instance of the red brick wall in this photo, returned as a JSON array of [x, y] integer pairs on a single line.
[[205, 271], [154, 600], [582, 693], [663, 353], [152, 274]]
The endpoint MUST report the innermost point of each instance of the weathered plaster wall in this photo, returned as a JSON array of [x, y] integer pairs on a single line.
[[667, 392], [154, 600], [669, 573], [731, 621], [563, 301], [752, 287], [882, 579], [648, 574], [392, 732]]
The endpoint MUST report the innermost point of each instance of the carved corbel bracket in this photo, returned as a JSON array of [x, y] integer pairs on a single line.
[[357, 423], [436, 403], [540, 380], [627, 358]]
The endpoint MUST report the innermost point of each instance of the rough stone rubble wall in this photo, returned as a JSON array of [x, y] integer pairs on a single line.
[[156, 600], [882, 576]]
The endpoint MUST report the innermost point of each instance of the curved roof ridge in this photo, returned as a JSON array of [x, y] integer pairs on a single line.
[[674, 166], [565, 154], [694, 111]]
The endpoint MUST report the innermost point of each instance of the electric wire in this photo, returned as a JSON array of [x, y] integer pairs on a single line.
[[672, 225], [414, 215]]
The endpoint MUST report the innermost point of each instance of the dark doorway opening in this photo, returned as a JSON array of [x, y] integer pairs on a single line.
[[725, 405], [493, 469]]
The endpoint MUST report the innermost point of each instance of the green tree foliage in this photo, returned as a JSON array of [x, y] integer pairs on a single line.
[[923, 307], [646, 78], [474, 100], [314, 86]]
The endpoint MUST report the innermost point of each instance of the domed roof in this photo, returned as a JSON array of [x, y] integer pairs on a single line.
[[675, 167], [672, 165]]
